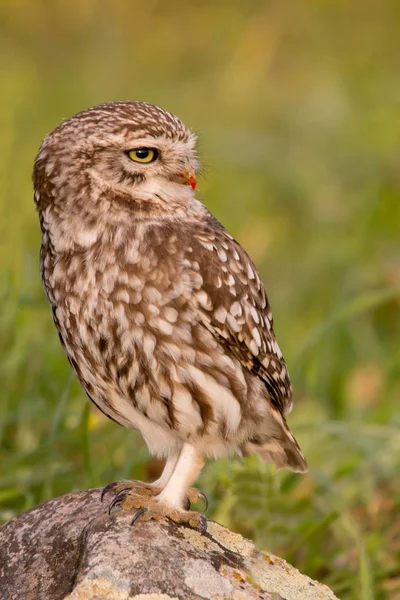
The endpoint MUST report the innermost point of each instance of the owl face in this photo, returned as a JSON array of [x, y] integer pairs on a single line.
[[133, 150], [146, 165]]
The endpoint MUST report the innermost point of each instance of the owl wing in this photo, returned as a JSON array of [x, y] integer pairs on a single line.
[[233, 305]]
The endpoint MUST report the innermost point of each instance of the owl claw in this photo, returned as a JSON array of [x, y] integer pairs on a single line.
[[138, 513], [119, 497], [204, 498], [107, 489], [194, 495]]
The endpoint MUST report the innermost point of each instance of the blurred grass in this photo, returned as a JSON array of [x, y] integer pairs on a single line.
[[297, 104]]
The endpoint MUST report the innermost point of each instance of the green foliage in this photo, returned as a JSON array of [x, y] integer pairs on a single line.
[[298, 108]]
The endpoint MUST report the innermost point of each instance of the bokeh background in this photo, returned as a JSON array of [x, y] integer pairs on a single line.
[[297, 104]]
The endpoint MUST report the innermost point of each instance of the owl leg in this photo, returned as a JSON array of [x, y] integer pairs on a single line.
[[172, 500], [169, 467], [192, 495], [186, 471]]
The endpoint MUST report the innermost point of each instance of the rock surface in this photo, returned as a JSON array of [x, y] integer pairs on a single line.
[[71, 549]]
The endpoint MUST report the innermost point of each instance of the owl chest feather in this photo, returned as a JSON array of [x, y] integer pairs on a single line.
[[111, 303]]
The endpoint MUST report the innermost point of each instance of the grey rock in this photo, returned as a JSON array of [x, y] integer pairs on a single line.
[[71, 549]]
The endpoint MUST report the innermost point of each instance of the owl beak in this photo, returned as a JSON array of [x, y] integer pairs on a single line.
[[187, 176]]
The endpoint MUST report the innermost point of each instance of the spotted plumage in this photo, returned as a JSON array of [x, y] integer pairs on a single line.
[[162, 314]]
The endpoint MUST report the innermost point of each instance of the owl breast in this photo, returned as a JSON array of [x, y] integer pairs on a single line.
[[128, 323]]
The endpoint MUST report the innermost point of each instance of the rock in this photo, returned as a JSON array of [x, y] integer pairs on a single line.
[[71, 549]]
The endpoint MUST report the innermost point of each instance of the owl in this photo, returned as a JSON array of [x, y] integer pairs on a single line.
[[160, 311]]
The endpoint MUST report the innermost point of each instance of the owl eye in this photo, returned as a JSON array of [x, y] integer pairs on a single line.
[[143, 155]]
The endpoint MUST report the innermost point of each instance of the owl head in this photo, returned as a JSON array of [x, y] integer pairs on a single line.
[[127, 156]]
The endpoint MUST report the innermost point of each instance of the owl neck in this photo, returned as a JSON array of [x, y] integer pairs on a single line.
[[107, 222]]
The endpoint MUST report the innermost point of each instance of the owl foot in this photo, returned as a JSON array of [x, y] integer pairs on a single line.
[[148, 508], [121, 488], [139, 487]]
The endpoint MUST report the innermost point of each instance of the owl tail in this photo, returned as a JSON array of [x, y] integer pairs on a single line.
[[278, 445]]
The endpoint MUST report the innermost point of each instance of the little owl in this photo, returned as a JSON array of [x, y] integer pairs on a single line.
[[160, 311]]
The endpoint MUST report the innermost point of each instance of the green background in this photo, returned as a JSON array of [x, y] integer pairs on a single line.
[[297, 104]]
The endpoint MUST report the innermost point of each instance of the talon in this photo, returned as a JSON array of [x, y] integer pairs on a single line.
[[108, 488], [118, 499], [138, 513], [194, 495], [204, 499], [186, 505], [113, 503]]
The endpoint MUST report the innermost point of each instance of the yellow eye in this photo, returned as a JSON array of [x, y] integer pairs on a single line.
[[143, 155]]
